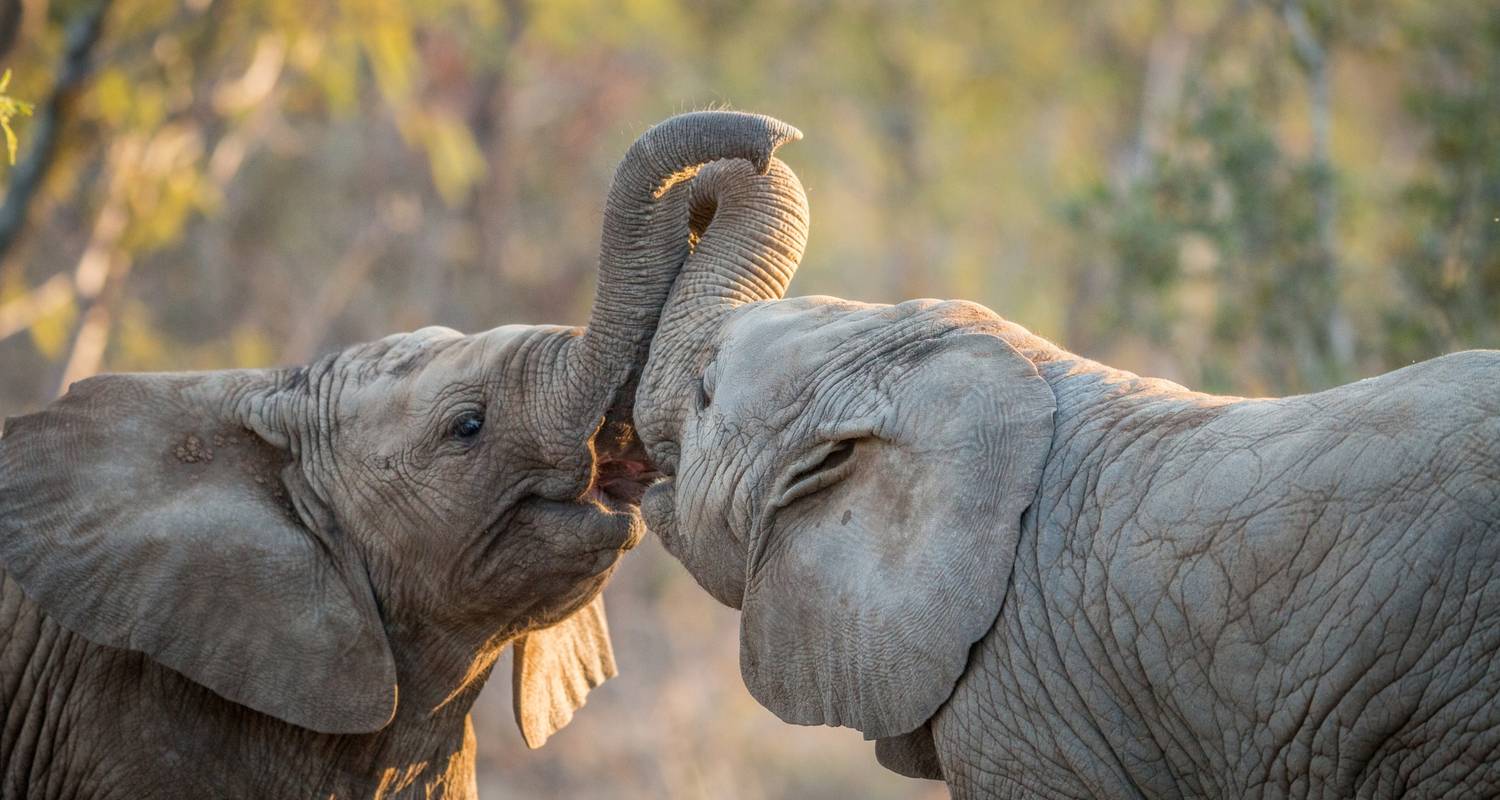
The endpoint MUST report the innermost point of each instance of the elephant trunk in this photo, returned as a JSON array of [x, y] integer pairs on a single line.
[[749, 231], [644, 243]]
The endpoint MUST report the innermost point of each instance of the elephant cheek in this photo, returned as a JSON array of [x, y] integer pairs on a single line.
[[711, 557], [658, 507]]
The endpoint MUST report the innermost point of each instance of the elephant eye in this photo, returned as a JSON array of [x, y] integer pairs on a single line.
[[704, 398], [467, 425]]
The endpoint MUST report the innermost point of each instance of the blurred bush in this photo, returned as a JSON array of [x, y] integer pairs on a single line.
[[1245, 196]]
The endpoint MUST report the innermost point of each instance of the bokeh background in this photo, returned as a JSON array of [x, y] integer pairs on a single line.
[[1241, 195]]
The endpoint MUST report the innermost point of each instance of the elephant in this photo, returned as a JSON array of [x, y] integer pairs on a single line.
[[293, 582], [1029, 574]]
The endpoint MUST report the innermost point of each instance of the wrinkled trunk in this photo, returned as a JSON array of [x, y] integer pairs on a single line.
[[750, 231], [644, 243]]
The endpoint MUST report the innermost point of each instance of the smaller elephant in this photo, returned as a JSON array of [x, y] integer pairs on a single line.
[[1030, 574], [294, 582]]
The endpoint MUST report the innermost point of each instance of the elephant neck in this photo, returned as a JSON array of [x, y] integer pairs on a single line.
[[1062, 630], [428, 749], [86, 720], [1101, 409], [441, 673]]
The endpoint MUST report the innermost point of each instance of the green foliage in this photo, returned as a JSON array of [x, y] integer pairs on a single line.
[[1232, 247], [1201, 230], [10, 108], [1227, 210], [1448, 246], [253, 182]]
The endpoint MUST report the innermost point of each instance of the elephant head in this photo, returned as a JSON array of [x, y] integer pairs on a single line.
[[308, 541], [851, 476]]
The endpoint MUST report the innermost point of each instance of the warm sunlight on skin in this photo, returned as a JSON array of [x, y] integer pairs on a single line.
[[1256, 199]]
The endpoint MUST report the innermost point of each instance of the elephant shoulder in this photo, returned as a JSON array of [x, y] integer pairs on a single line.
[[1458, 387], [1441, 412], [1364, 443], [1392, 438], [1471, 379]]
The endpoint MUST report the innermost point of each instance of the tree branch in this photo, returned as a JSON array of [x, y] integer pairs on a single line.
[[77, 63], [10, 26], [98, 281], [1337, 335]]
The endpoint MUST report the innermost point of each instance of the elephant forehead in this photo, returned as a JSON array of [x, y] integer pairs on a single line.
[[434, 354], [814, 328], [794, 339], [781, 350], [408, 374], [395, 355]]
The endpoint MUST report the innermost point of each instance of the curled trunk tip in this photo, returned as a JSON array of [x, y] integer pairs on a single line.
[[644, 243]]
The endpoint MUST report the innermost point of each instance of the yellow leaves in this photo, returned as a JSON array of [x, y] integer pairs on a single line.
[[384, 31], [112, 96], [11, 143], [9, 109], [334, 66], [251, 348], [573, 25], [452, 155], [120, 102], [140, 345], [164, 185], [392, 58], [50, 331]]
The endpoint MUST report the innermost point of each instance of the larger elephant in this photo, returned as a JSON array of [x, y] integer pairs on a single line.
[[1032, 575], [294, 582]]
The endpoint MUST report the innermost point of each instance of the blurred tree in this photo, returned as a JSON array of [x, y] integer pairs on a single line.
[[82, 35], [1254, 196], [1221, 241], [1448, 250]]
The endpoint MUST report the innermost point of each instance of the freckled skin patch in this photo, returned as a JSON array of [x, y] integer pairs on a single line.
[[192, 451]]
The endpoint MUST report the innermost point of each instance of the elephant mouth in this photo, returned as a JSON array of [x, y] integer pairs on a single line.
[[622, 470]]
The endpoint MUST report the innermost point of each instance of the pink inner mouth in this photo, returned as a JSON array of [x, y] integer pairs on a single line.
[[622, 471], [624, 479]]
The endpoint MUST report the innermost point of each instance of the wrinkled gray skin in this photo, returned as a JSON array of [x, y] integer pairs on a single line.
[[293, 582], [1032, 575]]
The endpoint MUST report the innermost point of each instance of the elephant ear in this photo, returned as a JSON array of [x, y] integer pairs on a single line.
[[556, 667], [145, 512], [911, 754], [862, 600]]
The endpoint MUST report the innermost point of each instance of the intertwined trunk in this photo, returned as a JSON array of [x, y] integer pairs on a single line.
[[750, 232], [644, 244]]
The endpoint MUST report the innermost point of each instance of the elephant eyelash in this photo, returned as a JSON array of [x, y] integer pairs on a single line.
[[466, 426], [834, 466], [463, 424]]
